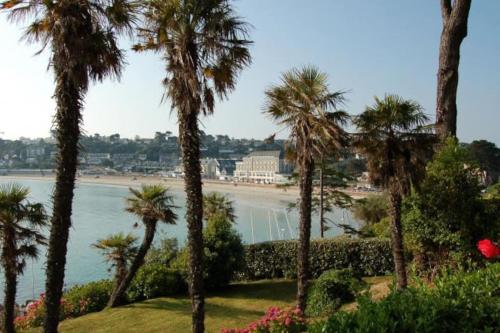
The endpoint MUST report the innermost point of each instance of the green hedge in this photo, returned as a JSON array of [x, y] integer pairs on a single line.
[[278, 259]]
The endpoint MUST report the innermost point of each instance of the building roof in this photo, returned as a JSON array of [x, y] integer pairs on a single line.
[[271, 153]]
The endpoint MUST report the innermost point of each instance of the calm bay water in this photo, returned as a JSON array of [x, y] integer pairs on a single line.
[[99, 211]]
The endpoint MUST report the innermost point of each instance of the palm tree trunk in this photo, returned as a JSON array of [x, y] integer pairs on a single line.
[[397, 236], [9, 260], [453, 33], [121, 271], [321, 202], [190, 142], [118, 296], [9, 301], [67, 119], [306, 173]]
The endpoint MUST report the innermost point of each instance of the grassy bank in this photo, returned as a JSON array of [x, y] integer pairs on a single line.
[[234, 307]]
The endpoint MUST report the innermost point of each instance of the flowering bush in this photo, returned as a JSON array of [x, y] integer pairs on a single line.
[[275, 320], [35, 311], [488, 249]]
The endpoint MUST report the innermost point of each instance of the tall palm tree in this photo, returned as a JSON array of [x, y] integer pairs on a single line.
[[82, 38], [20, 235], [304, 104], [118, 249], [215, 204], [204, 46], [152, 204], [393, 136]]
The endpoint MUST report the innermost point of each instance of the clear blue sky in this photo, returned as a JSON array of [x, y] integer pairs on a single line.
[[367, 47]]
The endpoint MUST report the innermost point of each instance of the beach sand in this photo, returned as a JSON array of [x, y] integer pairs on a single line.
[[247, 189]]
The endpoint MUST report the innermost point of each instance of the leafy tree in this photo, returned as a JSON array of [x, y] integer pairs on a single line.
[[372, 210], [448, 216], [393, 137], [487, 154], [204, 46], [118, 249], [224, 254], [330, 184], [164, 253], [152, 204], [218, 204], [20, 235], [327, 195], [82, 37], [304, 104]]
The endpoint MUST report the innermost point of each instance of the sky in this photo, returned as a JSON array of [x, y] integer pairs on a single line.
[[368, 48]]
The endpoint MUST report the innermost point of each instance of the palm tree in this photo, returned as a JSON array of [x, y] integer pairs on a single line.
[[20, 235], [82, 37], [118, 249], [393, 137], [304, 104], [216, 204], [153, 203], [204, 45]]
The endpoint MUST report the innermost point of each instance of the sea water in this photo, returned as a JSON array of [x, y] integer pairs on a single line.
[[98, 211]]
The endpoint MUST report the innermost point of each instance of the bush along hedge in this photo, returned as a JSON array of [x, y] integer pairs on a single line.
[[278, 259], [155, 280], [462, 302], [331, 290]]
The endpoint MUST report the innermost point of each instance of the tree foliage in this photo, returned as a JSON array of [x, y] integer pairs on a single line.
[[449, 214]]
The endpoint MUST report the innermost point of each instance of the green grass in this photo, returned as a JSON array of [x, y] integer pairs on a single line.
[[237, 306], [234, 307]]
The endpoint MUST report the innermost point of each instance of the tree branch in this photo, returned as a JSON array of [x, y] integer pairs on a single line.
[[446, 9]]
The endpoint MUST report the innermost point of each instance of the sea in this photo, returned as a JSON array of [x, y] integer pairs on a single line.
[[99, 211]]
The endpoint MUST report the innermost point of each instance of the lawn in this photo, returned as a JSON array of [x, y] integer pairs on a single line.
[[235, 307]]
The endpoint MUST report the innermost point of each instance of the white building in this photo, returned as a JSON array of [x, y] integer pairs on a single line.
[[262, 167], [96, 158]]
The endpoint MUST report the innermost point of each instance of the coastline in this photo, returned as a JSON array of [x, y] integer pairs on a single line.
[[250, 189]]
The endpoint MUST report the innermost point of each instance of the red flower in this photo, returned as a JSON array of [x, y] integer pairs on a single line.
[[488, 248]]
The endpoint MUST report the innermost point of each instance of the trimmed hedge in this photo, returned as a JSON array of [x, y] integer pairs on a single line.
[[278, 259]]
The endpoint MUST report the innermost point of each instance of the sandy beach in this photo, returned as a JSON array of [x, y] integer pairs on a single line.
[[247, 189]]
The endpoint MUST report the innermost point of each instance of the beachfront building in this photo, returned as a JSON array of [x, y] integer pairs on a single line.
[[266, 167], [221, 169], [96, 158]]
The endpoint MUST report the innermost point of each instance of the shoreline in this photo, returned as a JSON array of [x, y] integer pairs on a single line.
[[251, 189]]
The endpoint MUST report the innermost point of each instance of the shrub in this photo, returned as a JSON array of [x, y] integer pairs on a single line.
[[224, 254], [90, 297], [155, 280], [35, 313], [163, 253], [462, 302], [278, 259], [274, 321], [331, 290]]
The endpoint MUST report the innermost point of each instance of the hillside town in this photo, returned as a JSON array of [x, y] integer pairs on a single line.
[[223, 158]]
